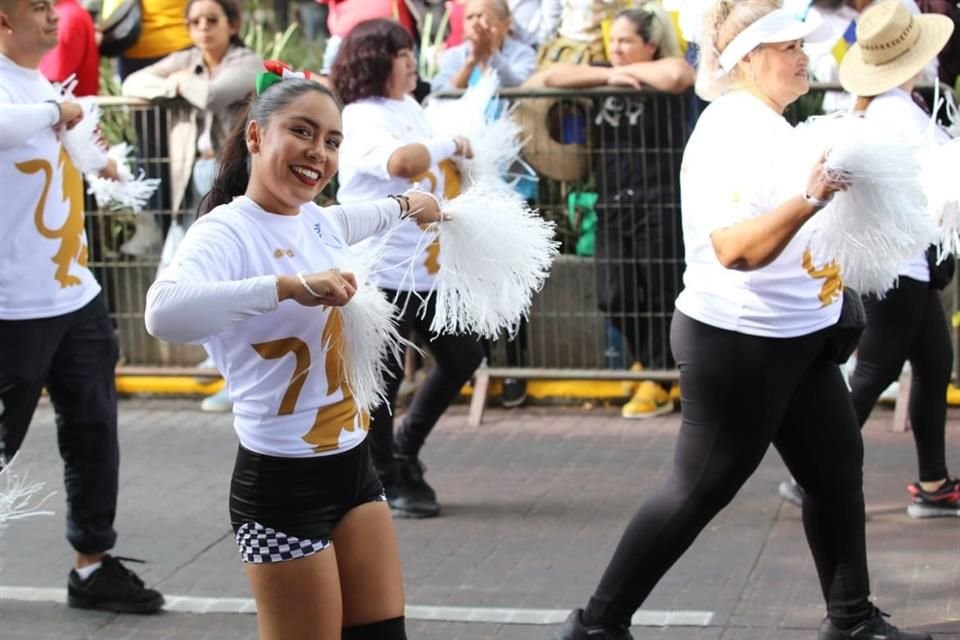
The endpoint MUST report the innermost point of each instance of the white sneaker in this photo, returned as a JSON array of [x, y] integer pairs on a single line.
[[890, 393], [146, 240], [217, 403]]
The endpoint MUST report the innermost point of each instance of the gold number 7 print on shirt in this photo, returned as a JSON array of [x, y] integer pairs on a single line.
[[329, 421]]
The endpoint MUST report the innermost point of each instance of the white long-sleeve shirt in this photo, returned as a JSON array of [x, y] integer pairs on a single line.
[[43, 247], [221, 291]]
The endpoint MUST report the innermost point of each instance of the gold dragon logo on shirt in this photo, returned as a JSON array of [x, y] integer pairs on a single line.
[[72, 247], [829, 273], [452, 184]]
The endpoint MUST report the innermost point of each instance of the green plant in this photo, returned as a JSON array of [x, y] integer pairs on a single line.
[[427, 66], [290, 46]]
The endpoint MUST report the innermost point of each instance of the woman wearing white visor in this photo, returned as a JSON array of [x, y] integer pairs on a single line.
[[750, 336]]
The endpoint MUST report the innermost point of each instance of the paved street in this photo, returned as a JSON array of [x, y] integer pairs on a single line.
[[534, 501]]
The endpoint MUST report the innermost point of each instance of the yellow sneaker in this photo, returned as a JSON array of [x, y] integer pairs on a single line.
[[630, 386], [649, 400]]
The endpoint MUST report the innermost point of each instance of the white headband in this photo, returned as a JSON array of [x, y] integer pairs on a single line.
[[779, 25]]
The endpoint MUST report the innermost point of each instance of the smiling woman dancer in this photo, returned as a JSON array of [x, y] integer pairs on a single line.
[[257, 281], [755, 313]]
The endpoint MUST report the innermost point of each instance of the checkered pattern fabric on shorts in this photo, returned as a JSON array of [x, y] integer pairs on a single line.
[[259, 545]]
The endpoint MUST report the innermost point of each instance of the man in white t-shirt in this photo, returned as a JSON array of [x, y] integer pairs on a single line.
[[54, 328]]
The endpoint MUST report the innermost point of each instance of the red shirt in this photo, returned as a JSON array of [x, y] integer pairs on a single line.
[[346, 14], [76, 52]]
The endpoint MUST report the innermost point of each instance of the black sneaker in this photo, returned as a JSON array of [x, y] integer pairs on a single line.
[[944, 502], [408, 494], [574, 629], [873, 628], [514, 393], [112, 587]]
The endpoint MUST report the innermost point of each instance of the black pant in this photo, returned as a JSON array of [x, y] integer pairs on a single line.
[[908, 324], [740, 394], [74, 356], [456, 357]]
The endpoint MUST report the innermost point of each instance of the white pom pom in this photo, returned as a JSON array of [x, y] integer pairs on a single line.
[[370, 337], [468, 114], [127, 193], [494, 255], [880, 220], [17, 496], [494, 135], [943, 192], [496, 149], [370, 334], [83, 143]]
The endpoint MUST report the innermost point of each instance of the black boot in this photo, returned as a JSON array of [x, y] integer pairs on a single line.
[[574, 629], [408, 494]]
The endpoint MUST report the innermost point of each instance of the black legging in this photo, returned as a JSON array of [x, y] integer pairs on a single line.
[[456, 358], [908, 324], [740, 394]]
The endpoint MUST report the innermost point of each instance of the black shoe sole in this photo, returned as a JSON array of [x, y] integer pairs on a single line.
[[149, 606]]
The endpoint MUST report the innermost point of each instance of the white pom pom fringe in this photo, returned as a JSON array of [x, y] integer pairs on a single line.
[[496, 149], [468, 114], [127, 193], [370, 337], [943, 192], [83, 143], [494, 135], [17, 496], [880, 220], [494, 255]]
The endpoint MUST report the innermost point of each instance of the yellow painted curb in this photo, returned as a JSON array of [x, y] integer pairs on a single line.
[[167, 385], [538, 389]]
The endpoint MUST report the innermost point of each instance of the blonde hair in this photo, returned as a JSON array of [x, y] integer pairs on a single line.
[[655, 27], [721, 24]]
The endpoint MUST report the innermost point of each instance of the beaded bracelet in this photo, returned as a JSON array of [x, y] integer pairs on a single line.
[[404, 203]]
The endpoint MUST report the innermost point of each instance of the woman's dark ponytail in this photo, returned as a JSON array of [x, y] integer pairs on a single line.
[[233, 166]]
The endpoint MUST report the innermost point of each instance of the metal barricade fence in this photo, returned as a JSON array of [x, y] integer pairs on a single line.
[[124, 270], [602, 164]]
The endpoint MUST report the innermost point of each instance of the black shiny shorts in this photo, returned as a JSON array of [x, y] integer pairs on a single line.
[[287, 508]]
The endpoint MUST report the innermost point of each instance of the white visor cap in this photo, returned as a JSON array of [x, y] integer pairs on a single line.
[[779, 25]]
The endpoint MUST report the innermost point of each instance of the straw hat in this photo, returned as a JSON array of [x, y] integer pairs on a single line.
[[893, 46], [550, 157]]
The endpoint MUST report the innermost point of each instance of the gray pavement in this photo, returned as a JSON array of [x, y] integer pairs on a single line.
[[534, 501]]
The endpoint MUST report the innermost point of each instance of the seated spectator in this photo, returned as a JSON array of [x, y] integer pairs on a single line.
[[529, 24], [487, 44], [212, 78], [76, 52], [639, 249]]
